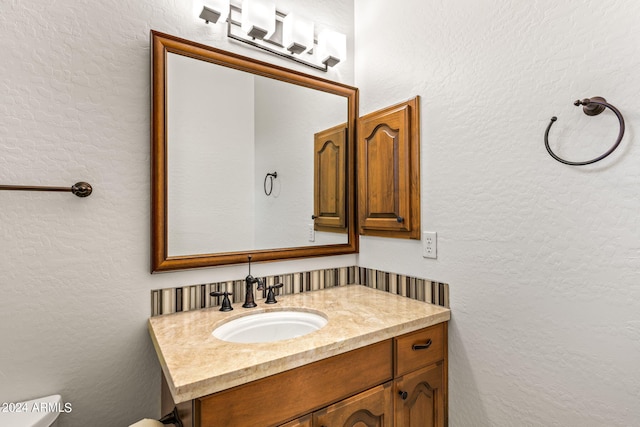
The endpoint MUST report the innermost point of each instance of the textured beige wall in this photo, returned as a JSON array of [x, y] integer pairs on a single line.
[[542, 258]]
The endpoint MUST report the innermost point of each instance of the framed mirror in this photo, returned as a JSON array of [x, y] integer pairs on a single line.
[[241, 161]]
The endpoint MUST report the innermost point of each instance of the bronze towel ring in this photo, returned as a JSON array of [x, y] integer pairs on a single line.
[[592, 107], [271, 176]]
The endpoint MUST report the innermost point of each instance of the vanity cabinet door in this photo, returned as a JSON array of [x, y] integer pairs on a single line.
[[420, 398], [389, 171], [329, 207], [372, 408]]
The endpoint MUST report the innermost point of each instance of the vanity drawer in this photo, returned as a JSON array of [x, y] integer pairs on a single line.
[[420, 348]]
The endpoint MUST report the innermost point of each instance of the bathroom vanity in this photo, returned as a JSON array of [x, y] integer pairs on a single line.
[[381, 360]]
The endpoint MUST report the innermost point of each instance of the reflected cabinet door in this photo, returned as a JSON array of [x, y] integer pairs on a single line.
[[329, 180], [419, 398]]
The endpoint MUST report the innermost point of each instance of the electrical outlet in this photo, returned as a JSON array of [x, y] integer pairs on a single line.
[[312, 233], [429, 244]]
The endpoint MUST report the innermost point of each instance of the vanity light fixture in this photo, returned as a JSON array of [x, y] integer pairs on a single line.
[[259, 24], [332, 47], [258, 18], [215, 10], [297, 34]]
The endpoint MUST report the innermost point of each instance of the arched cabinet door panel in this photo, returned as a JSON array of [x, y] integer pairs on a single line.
[[389, 171], [329, 201]]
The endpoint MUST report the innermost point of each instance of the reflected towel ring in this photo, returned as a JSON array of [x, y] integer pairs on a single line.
[[592, 107], [270, 176]]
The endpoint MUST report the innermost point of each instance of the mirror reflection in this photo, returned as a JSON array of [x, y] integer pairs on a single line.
[[228, 129], [247, 159]]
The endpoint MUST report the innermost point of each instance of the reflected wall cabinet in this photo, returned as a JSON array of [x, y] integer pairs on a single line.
[[389, 171], [329, 180]]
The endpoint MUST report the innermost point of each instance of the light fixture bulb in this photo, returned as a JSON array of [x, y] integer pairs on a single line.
[[332, 47], [297, 34], [215, 11], [258, 18]]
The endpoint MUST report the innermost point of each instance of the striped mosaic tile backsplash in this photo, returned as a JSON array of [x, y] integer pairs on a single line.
[[194, 297]]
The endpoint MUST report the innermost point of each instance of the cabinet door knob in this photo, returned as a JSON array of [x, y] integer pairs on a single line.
[[422, 346], [403, 395], [400, 219]]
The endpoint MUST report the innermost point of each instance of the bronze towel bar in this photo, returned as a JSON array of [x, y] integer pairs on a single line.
[[80, 189]]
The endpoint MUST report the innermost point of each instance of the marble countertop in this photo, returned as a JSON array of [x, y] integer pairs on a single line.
[[195, 363]]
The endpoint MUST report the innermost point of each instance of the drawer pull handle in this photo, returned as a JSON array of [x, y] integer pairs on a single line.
[[422, 346], [403, 395]]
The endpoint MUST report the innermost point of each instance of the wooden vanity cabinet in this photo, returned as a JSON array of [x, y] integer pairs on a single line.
[[395, 382]]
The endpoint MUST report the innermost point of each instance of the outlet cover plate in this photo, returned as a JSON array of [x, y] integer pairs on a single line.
[[429, 244]]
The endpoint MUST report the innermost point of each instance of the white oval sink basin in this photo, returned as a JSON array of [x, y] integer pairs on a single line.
[[270, 326]]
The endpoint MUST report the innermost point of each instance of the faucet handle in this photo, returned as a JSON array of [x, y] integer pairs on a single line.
[[226, 303], [271, 297]]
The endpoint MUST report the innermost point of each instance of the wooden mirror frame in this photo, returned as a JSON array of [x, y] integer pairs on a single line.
[[161, 44]]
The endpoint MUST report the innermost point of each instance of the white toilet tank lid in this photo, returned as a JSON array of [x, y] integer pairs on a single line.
[[40, 412]]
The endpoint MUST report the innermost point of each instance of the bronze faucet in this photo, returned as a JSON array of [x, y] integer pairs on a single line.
[[249, 300]]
